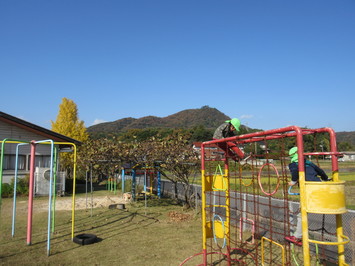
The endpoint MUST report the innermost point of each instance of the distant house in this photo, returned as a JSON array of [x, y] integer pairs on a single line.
[[347, 156], [211, 151], [17, 129]]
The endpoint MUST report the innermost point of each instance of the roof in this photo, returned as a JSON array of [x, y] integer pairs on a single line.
[[36, 129]]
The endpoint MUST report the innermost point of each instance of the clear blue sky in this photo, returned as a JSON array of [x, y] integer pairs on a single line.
[[272, 63]]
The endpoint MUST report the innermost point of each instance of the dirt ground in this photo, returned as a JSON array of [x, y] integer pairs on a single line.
[[66, 203]]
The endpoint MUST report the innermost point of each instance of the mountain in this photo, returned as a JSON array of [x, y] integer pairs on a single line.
[[209, 117], [346, 137]]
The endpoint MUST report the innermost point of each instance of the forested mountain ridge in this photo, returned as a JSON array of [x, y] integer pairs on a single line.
[[348, 137], [205, 116]]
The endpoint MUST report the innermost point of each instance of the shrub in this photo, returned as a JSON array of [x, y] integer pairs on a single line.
[[7, 190], [23, 185]]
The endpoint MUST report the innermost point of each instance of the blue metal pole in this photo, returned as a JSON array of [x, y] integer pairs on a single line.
[[159, 184], [50, 196], [15, 190], [145, 179], [123, 179]]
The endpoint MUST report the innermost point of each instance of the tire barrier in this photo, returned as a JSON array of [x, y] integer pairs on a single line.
[[85, 239]]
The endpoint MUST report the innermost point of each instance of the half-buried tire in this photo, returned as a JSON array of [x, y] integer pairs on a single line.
[[85, 239]]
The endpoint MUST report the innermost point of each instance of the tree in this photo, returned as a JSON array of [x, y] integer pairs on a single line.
[[104, 156], [345, 146], [179, 162], [68, 123], [200, 133]]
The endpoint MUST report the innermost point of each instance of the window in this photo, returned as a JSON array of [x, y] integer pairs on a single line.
[[41, 161], [10, 162]]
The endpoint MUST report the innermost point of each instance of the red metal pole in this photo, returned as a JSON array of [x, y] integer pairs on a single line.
[[258, 136], [30, 193], [204, 238], [333, 148]]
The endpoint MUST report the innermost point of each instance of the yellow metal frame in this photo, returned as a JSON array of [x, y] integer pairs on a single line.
[[219, 183], [339, 209], [347, 240], [336, 208], [215, 183], [240, 176], [204, 229], [325, 197], [275, 243]]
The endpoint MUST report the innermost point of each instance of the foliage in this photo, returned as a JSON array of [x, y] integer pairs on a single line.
[[179, 160], [144, 134], [103, 156], [196, 134], [7, 190], [345, 146], [22, 187], [172, 153], [201, 133], [68, 124], [348, 137]]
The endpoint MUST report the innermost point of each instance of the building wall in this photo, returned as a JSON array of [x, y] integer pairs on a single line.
[[13, 132], [9, 131]]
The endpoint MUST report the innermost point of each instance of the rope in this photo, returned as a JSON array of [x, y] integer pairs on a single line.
[[323, 229], [278, 179]]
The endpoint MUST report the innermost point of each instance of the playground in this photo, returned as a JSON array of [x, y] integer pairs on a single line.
[[248, 209], [133, 236], [248, 215]]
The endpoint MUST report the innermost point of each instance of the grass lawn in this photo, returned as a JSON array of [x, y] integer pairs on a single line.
[[160, 234], [157, 233]]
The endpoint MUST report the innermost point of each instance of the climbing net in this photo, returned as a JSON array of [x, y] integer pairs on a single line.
[[248, 206]]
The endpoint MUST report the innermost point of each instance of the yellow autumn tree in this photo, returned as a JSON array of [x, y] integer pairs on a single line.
[[68, 123]]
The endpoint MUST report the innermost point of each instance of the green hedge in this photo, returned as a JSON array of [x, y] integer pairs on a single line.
[[22, 187]]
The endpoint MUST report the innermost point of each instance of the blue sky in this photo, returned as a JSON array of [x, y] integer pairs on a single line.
[[272, 63]]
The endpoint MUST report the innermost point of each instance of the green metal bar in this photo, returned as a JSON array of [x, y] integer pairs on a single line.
[[8, 140]]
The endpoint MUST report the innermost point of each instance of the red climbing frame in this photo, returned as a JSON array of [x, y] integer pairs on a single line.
[[269, 216]]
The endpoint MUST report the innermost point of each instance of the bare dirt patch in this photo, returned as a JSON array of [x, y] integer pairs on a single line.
[[66, 203]]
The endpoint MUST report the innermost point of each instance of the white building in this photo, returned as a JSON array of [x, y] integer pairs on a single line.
[[348, 156]]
